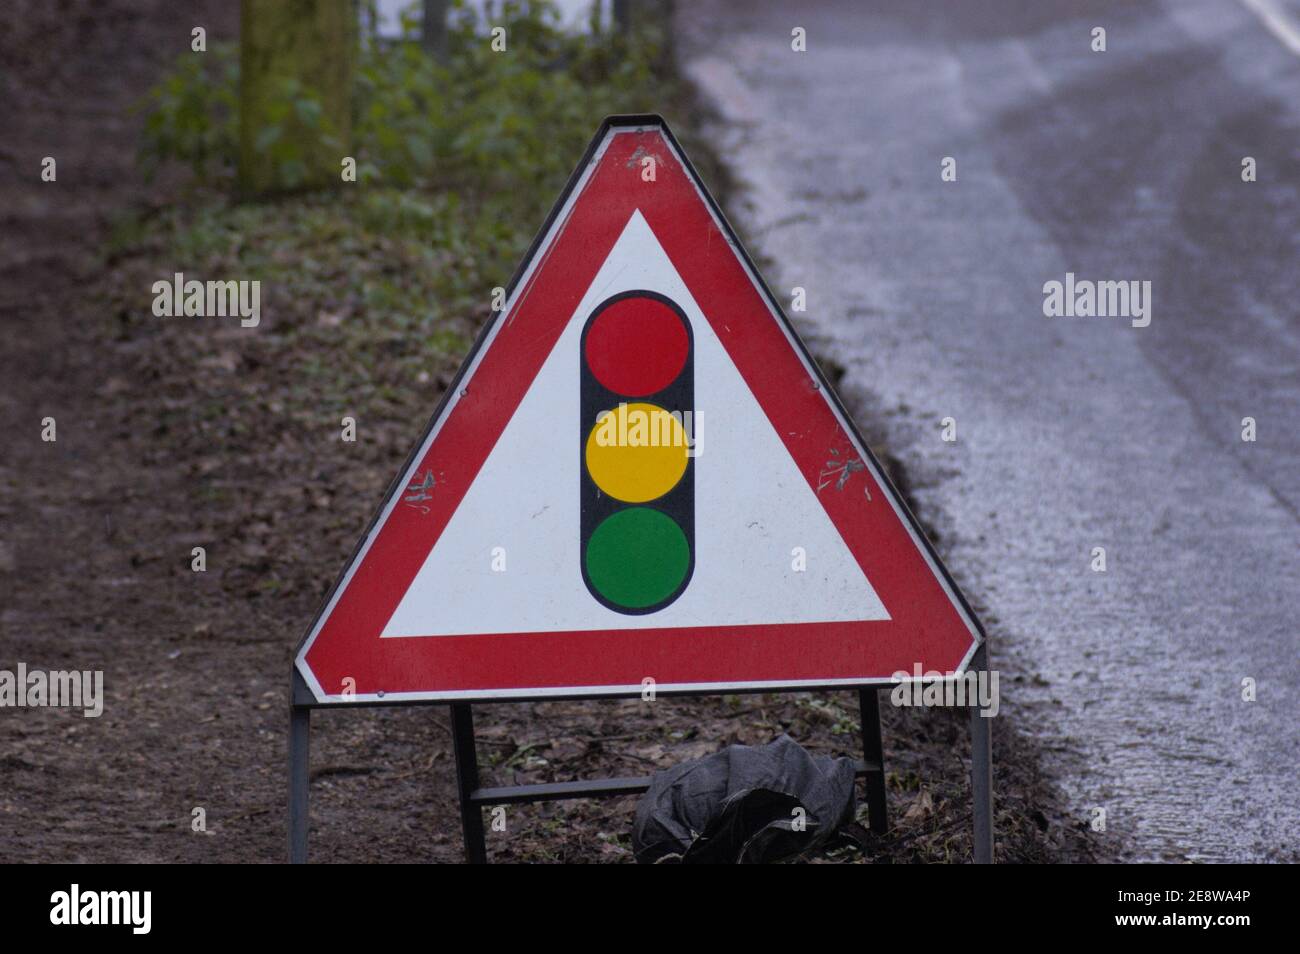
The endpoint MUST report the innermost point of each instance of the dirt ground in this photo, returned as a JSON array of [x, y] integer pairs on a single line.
[[170, 438]]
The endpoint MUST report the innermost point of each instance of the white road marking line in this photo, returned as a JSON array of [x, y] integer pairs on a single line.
[[1278, 22]]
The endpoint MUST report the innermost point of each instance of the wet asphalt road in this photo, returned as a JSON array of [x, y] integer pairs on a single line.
[[1073, 433]]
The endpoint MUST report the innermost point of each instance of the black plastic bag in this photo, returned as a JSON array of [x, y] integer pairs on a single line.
[[741, 806]]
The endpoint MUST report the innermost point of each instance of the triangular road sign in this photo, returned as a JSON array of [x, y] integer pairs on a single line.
[[638, 474]]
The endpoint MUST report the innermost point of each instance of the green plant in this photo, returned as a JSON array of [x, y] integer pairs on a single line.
[[486, 119], [293, 107], [192, 115], [378, 287]]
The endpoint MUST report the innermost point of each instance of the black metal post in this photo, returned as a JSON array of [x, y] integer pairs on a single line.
[[873, 755], [471, 815], [981, 769], [299, 770]]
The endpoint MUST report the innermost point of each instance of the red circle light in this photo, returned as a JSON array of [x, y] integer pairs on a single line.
[[637, 346]]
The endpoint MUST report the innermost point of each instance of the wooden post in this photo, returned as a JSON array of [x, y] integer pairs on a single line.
[[433, 29]]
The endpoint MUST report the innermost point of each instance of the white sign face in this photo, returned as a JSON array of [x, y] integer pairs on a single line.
[[759, 508]]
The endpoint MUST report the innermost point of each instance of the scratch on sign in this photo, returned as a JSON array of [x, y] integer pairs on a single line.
[[418, 492], [839, 471], [640, 153]]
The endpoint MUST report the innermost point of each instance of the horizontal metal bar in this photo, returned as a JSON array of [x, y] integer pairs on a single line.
[[589, 788], [554, 791], [307, 700]]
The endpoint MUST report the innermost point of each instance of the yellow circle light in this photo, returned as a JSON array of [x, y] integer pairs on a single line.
[[637, 452]]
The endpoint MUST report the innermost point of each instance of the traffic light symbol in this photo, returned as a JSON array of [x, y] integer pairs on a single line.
[[638, 471]]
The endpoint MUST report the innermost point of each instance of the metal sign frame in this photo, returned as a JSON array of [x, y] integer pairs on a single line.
[[473, 797]]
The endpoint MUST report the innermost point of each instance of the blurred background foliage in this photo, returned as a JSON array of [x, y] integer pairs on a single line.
[[480, 119], [458, 159]]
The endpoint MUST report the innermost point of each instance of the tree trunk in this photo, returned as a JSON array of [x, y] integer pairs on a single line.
[[314, 42], [623, 16], [433, 29]]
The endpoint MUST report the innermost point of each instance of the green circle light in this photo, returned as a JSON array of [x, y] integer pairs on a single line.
[[637, 557]]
